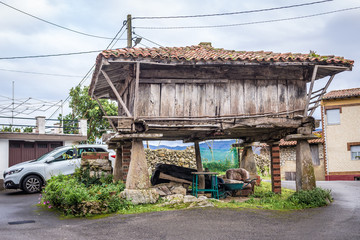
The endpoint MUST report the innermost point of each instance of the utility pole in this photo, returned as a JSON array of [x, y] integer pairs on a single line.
[[129, 31]]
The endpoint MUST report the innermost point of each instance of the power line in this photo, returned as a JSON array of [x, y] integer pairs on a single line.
[[50, 55], [56, 25], [235, 13], [148, 40], [40, 73], [92, 68], [250, 23]]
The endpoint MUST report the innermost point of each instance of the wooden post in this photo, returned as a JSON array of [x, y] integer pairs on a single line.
[[275, 168], [118, 171], [199, 165], [129, 31]]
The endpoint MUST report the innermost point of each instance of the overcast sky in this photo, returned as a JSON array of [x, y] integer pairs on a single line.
[[21, 35]]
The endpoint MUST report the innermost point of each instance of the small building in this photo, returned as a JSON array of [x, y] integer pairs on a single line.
[[18, 147], [341, 121], [288, 158], [199, 93]]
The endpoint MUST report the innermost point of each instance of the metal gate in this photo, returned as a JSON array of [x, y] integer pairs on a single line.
[[21, 151]]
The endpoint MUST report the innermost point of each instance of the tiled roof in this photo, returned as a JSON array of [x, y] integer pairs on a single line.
[[352, 92], [205, 52], [312, 141], [293, 143]]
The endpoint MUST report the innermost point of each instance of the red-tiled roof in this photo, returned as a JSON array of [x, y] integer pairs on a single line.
[[205, 52], [352, 92], [293, 143]]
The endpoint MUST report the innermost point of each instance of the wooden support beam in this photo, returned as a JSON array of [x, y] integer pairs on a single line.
[[136, 93], [310, 90], [116, 94], [322, 93], [103, 110], [199, 165]]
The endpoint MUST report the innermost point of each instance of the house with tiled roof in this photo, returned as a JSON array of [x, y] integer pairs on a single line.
[[288, 157], [341, 121]]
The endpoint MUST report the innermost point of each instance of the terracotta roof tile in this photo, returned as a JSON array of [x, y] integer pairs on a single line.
[[352, 92], [205, 52], [284, 143]]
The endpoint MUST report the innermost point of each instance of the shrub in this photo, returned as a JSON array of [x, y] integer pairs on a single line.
[[72, 197], [317, 197]]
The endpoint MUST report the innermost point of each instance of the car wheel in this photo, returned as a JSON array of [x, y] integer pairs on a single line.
[[32, 184]]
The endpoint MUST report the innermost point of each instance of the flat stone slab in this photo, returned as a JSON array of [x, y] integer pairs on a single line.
[[142, 196]]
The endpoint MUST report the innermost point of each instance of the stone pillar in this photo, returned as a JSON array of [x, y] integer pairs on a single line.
[[137, 189], [275, 168], [305, 176], [138, 175], [126, 158], [248, 161], [40, 124]]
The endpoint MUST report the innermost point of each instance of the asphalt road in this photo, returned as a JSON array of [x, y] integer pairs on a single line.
[[340, 220]]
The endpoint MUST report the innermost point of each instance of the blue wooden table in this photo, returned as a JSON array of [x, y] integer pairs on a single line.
[[214, 184]]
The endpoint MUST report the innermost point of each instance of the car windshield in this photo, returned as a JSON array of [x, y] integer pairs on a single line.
[[47, 154]]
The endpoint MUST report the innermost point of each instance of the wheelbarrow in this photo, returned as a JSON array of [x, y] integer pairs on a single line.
[[229, 189]]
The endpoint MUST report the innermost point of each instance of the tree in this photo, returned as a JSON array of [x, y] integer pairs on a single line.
[[83, 107]]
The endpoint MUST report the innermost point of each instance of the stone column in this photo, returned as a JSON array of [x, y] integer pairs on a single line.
[[248, 160], [305, 177], [137, 181], [138, 175]]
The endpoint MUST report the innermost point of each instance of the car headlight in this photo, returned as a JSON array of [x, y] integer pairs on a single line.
[[13, 171]]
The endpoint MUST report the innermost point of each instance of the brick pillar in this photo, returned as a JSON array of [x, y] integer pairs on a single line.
[[275, 168], [126, 157]]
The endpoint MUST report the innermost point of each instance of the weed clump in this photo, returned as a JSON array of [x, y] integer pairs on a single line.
[[317, 197], [73, 195]]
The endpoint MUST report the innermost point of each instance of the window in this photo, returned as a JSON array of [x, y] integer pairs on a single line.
[[81, 150], [355, 152], [65, 155], [333, 116], [314, 149]]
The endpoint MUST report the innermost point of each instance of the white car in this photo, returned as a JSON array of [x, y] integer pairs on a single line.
[[30, 176]]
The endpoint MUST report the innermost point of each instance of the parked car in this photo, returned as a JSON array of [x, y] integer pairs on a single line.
[[30, 176]]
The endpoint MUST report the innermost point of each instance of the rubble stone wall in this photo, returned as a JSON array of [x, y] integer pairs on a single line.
[[98, 162], [182, 158]]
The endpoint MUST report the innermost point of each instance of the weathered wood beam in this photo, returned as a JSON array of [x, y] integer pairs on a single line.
[[310, 90], [136, 136], [136, 93], [116, 94], [182, 81], [199, 165], [321, 94], [103, 110]]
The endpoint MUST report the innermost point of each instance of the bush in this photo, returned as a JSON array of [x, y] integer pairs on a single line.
[[317, 197], [72, 197]]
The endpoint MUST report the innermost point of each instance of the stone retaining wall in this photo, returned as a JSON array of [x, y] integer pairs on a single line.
[[98, 162]]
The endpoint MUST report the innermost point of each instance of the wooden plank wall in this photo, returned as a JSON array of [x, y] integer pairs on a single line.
[[236, 97]]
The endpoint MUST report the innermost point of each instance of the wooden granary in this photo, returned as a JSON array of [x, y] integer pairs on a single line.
[[199, 92]]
